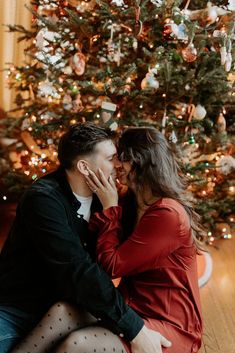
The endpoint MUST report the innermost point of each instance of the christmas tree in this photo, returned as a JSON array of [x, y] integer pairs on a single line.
[[123, 63]]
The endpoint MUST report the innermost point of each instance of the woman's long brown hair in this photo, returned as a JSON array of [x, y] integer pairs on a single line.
[[154, 164]]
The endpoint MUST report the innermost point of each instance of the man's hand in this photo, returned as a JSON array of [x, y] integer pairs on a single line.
[[149, 341]]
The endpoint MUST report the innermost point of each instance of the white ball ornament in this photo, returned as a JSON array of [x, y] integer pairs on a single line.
[[149, 82], [199, 112], [211, 13], [226, 164]]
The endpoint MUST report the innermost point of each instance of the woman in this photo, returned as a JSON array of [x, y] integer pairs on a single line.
[[156, 253], [150, 242]]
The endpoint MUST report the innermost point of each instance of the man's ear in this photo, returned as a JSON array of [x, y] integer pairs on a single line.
[[82, 167]]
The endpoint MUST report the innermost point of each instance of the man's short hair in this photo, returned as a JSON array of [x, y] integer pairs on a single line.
[[80, 140]]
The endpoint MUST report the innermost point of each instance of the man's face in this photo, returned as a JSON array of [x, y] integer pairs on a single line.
[[105, 158]]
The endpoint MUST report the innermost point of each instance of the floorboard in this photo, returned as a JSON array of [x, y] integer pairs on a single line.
[[218, 301]]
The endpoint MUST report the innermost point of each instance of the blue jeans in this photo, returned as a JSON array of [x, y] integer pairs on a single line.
[[14, 325]]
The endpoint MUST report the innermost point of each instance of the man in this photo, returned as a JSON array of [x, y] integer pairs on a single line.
[[45, 260]]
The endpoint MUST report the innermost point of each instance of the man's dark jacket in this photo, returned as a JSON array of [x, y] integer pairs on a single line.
[[45, 259]]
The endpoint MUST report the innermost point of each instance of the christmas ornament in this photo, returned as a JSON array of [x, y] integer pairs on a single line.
[[231, 5], [182, 32], [107, 111], [46, 88], [138, 23], [149, 81], [189, 53], [191, 140], [228, 62], [157, 3], [67, 102], [221, 123], [118, 3], [127, 87], [206, 16], [190, 111], [67, 70], [135, 44], [212, 13], [223, 55], [40, 40], [77, 63], [171, 29], [173, 137], [77, 104], [199, 112], [44, 37], [167, 29], [226, 164]]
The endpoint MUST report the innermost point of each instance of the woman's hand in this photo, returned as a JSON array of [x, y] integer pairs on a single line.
[[104, 188], [149, 341]]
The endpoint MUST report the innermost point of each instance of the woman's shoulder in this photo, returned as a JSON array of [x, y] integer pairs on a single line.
[[167, 202], [171, 206]]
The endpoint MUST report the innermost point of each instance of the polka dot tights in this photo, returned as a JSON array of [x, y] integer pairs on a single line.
[[65, 329], [90, 340]]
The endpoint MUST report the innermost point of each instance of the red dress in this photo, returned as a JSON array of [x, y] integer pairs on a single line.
[[157, 264]]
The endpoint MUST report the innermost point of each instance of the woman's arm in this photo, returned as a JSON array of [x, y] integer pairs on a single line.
[[156, 236]]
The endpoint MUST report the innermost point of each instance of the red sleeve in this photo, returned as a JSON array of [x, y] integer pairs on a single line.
[[156, 236]]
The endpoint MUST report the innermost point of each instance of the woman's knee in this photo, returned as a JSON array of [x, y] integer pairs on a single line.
[[60, 309]]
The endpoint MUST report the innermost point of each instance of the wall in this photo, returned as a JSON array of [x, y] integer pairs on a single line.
[[11, 12]]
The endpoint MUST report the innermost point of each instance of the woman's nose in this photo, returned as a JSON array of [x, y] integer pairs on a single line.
[[117, 163]]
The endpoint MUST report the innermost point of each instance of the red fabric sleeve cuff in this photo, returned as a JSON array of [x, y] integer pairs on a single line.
[[108, 215]]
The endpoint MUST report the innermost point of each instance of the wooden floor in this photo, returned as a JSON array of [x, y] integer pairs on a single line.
[[218, 301]]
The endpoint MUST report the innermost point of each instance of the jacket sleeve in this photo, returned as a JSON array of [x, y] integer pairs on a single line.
[[158, 234], [68, 264]]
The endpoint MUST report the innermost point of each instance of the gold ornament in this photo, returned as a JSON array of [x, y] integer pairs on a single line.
[[221, 123]]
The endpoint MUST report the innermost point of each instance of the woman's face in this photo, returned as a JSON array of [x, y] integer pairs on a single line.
[[123, 172]]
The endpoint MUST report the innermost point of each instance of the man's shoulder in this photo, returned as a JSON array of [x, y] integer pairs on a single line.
[[48, 182], [46, 185]]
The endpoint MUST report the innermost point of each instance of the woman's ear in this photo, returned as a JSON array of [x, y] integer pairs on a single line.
[[82, 167]]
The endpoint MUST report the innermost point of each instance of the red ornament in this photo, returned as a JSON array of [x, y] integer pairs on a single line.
[[189, 53]]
